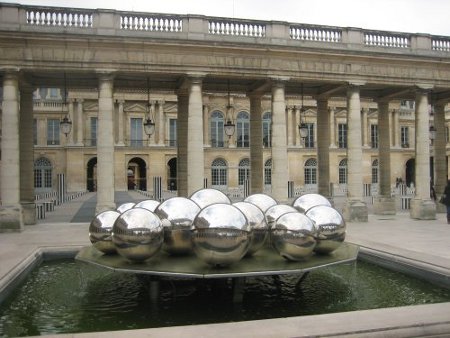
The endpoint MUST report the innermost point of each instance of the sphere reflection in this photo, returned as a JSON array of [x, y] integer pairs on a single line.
[[262, 201], [124, 207], [150, 205], [100, 230], [307, 201], [205, 197]]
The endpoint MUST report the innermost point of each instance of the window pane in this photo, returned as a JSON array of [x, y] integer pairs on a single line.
[[136, 132], [172, 132], [94, 131], [52, 132]]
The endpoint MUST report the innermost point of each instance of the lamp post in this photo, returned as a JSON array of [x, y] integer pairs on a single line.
[[149, 125], [302, 127], [65, 123], [229, 126]]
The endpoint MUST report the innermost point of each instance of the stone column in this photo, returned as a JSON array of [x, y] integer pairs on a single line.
[[80, 122], [396, 129], [69, 137], [182, 139], [11, 218], [332, 128], [421, 205], [294, 126], [440, 158], [206, 138], [323, 147], [355, 209], [364, 128], [289, 131], [161, 123], [256, 146], [105, 144], [26, 155], [280, 174], [384, 204], [120, 124]]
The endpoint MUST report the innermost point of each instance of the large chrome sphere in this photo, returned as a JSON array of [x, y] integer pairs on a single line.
[[100, 231], [177, 215], [221, 234], [137, 234], [276, 211], [147, 204], [293, 236], [205, 197], [125, 206], [307, 201], [262, 201], [258, 224], [330, 226]]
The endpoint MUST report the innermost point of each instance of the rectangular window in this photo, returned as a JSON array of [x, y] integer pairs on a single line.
[[342, 175], [35, 132], [52, 132], [48, 178], [310, 176], [404, 136], [374, 135], [342, 135], [94, 131], [172, 133], [37, 178], [268, 175], [243, 174], [219, 176], [309, 140], [136, 139]]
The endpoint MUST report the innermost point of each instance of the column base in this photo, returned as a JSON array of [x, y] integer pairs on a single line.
[[441, 208], [384, 205], [355, 211], [11, 218], [29, 213], [422, 209], [105, 207]]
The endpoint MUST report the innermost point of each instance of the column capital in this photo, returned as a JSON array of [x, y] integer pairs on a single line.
[[120, 101], [279, 81], [356, 83], [106, 75], [423, 87], [79, 100]]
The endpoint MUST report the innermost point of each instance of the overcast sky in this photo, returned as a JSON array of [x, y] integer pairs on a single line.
[[413, 16]]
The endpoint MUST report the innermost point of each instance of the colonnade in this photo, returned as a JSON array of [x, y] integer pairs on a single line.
[[17, 179]]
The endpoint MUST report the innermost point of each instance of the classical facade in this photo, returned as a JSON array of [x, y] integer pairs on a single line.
[[369, 100]]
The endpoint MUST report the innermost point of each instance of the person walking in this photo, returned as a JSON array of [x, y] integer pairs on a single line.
[[446, 200]]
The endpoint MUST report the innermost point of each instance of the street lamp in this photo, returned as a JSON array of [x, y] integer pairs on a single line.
[[432, 133], [302, 127], [65, 123], [229, 126], [149, 125]]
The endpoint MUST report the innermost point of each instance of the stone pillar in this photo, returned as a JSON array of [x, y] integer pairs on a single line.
[[364, 128], [182, 139], [256, 146], [332, 128], [289, 131], [206, 138], [69, 137], [323, 147], [161, 123], [440, 158], [105, 144], [11, 218], [280, 174], [396, 129], [120, 124], [355, 209], [294, 126], [80, 122], [421, 205], [384, 203], [26, 155]]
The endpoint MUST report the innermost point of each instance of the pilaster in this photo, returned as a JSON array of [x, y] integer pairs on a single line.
[[323, 148], [256, 146], [80, 121], [440, 162]]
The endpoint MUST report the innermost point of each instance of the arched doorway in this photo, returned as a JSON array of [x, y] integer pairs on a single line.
[[91, 183], [410, 172], [172, 175], [137, 174]]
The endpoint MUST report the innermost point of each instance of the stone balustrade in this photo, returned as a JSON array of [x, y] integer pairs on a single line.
[[24, 18]]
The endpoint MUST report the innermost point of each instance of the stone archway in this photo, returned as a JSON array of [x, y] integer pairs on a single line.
[[410, 171], [137, 174], [91, 176], [172, 174]]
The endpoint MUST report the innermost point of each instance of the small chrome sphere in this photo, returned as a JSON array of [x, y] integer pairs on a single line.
[[220, 234], [125, 206], [330, 226], [137, 234], [177, 215], [293, 236], [307, 201], [258, 224], [100, 230], [276, 211], [205, 197], [147, 204], [262, 201]]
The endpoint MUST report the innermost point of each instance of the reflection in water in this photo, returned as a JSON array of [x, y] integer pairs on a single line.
[[69, 297]]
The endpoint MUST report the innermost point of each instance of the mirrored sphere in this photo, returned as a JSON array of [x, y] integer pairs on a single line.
[[147, 204], [262, 201], [100, 230], [305, 202], [293, 236], [330, 226], [276, 211], [177, 215], [137, 234], [205, 197], [221, 234], [258, 224], [125, 206]]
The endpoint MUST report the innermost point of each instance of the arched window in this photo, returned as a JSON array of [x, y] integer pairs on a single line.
[[216, 124], [375, 171], [219, 173], [243, 130], [311, 171], [343, 171], [244, 171], [267, 129], [42, 174], [268, 172]]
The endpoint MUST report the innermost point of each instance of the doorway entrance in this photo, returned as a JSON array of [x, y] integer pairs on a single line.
[[137, 174]]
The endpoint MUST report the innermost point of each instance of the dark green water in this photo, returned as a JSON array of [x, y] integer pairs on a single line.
[[68, 297]]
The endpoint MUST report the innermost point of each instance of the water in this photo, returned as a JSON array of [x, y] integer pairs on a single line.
[[67, 297]]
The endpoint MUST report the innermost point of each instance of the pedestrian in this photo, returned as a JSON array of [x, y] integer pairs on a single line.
[[446, 200]]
